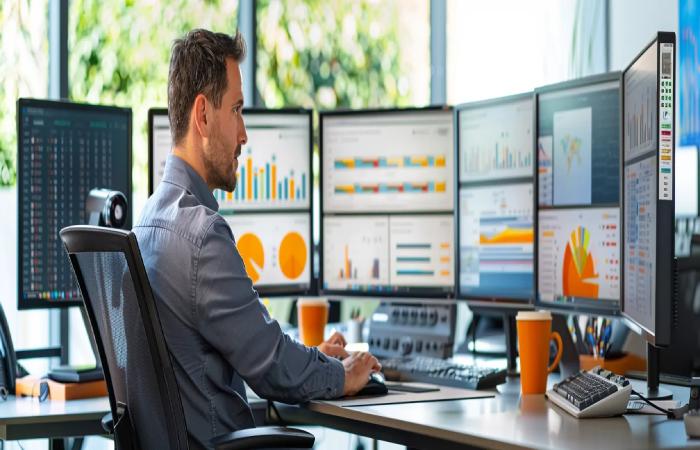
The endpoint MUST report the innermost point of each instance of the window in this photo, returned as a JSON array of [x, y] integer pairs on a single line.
[[23, 73], [343, 53], [504, 47]]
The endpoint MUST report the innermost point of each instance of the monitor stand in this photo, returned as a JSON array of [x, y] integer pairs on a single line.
[[652, 391], [511, 344]]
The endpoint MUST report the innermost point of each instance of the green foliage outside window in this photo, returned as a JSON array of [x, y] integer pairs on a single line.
[[23, 70], [326, 54]]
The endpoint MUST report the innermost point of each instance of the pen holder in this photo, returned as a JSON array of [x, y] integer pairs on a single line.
[[354, 334], [619, 365]]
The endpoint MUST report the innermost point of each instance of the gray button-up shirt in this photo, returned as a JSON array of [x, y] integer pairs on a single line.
[[217, 330]]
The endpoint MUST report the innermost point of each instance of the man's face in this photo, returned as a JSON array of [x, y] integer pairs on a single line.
[[222, 149]]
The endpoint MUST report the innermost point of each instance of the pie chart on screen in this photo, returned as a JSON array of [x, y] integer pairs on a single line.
[[292, 255], [251, 249]]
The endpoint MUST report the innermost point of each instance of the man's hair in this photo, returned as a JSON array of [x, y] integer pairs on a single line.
[[198, 66]]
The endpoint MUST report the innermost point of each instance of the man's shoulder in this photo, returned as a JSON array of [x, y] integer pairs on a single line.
[[178, 211]]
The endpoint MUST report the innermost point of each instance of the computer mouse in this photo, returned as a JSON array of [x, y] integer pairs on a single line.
[[375, 385]]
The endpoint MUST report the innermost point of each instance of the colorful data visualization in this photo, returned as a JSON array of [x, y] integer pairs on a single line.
[[579, 254], [496, 241], [393, 162], [273, 169], [275, 247], [640, 241], [641, 110], [421, 250], [572, 157], [388, 252], [355, 252], [496, 141]]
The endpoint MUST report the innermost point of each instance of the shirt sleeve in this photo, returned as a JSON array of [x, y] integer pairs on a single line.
[[234, 321]]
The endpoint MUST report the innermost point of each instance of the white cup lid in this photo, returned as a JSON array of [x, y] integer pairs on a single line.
[[534, 315], [312, 301]]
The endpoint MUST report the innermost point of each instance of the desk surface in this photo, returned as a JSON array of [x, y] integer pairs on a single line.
[[506, 421], [27, 418]]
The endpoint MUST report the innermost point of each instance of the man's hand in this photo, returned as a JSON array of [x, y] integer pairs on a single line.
[[334, 346], [358, 366]]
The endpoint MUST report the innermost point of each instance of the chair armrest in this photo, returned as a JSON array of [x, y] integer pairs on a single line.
[[108, 423], [266, 437]]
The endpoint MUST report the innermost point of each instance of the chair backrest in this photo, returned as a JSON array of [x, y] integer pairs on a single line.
[[124, 320]]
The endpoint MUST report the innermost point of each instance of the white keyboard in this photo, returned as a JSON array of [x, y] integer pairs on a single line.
[[596, 393]]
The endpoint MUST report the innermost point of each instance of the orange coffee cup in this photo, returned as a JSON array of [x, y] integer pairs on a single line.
[[313, 316], [534, 334]]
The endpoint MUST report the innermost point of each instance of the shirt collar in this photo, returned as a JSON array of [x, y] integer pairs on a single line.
[[178, 172]]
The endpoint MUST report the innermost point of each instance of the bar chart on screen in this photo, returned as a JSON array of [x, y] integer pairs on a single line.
[[356, 252], [273, 172], [275, 251], [421, 250]]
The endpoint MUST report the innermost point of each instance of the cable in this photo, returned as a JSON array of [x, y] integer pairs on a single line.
[[648, 402]]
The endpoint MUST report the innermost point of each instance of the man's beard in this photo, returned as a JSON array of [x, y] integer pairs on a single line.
[[219, 165]]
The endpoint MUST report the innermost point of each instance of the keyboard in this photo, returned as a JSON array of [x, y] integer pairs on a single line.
[[596, 393], [442, 372]]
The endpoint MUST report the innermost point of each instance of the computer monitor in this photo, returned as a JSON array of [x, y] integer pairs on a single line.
[[495, 148], [270, 210], [64, 151], [387, 196], [647, 189], [577, 185]]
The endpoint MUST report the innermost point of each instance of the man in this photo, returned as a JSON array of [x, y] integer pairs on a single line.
[[218, 332]]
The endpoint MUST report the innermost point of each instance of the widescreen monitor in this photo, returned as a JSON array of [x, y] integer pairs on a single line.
[[64, 151]]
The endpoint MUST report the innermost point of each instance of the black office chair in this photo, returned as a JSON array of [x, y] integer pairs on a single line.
[[147, 412]]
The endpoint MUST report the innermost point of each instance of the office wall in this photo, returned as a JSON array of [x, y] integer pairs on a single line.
[[632, 24]]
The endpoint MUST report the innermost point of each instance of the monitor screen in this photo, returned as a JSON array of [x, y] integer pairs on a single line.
[[495, 140], [64, 151], [579, 257], [391, 161], [273, 169], [578, 216], [160, 144], [495, 208], [578, 139], [275, 248], [382, 253], [387, 181], [648, 153], [269, 212], [496, 241]]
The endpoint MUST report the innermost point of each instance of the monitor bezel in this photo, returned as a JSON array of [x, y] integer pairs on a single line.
[[410, 292], [72, 106], [267, 290], [571, 308], [488, 302], [665, 230]]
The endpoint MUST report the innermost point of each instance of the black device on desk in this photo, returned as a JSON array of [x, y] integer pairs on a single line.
[[647, 174], [375, 386]]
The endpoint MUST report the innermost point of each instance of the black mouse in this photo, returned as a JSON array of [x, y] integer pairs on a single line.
[[375, 385]]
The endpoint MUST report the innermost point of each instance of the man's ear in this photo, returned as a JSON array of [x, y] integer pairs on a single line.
[[199, 112]]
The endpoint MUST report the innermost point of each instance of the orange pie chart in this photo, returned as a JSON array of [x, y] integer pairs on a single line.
[[292, 255], [251, 249]]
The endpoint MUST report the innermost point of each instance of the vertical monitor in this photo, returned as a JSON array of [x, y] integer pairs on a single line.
[[647, 189], [64, 151], [495, 147], [387, 185], [578, 214], [269, 212]]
